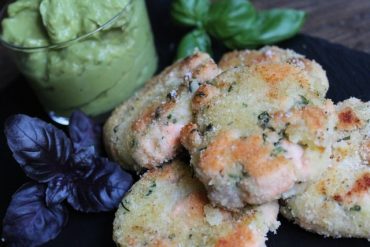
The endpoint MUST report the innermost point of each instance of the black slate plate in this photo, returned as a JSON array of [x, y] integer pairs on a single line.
[[349, 75]]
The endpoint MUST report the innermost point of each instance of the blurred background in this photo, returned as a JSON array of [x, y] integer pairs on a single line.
[[345, 22]]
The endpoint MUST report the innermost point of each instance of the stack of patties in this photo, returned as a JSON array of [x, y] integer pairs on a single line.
[[258, 129]]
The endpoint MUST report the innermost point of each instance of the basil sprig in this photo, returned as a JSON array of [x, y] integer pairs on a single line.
[[190, 12], [197, 39], [64, 170], [227, 18], [236, 23]]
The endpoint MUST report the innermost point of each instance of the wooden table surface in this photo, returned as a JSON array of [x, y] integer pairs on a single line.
[[346, 22]]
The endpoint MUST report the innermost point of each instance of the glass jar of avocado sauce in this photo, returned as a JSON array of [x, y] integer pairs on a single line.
[[87, 55]]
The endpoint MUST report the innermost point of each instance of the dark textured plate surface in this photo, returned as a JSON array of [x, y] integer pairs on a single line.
[[349, 75]]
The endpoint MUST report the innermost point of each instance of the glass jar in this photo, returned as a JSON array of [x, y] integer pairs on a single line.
[[93, 71]]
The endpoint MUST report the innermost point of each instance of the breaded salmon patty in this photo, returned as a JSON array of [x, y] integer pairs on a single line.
[[258, 130], [337, 204], [169, 207], [352, 131], [311, 69], [144, 131]]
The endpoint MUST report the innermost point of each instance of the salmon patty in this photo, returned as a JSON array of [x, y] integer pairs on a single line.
[[258, 131], [311, 69], [169, 207], [337, 204], [144, 131]]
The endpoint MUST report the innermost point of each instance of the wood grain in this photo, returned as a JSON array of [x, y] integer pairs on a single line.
[[346, 22]]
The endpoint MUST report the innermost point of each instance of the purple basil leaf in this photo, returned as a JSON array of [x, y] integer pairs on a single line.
[[42, 150], [102, 190], [84, 132], [84, 161], [28, 221], [57, 190]]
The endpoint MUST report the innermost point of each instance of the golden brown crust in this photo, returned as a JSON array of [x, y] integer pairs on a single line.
[[274, 73], [271, 54], [315, 119], [337, 202], [190, 138], [158, 138], [242, 236], [260, 130], [169, 207], [154, 112], [361, 186], [144, 119], [203, 95], [117, 129], [250, 152], [353, 128], [348, 119]]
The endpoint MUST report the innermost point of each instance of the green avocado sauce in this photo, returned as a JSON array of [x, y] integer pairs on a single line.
[[94, 74]]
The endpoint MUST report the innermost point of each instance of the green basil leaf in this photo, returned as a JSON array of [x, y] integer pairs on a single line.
[[280, 24], [269, 27], [190, 12], [197, 39], [227, 18]]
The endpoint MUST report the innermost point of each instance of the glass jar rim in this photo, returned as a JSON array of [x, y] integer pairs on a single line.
[[60, 44]]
